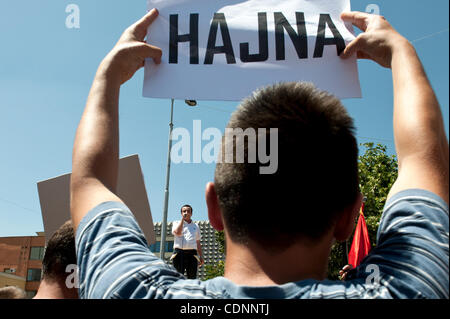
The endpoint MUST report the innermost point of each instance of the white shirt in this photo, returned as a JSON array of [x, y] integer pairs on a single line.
[[190, 235]]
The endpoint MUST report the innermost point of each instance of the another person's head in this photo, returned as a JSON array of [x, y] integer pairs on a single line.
[[317, 176], [12, 292], [59, 254], [186, 212]]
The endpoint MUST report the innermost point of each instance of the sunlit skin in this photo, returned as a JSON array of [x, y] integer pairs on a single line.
[[186, 213]]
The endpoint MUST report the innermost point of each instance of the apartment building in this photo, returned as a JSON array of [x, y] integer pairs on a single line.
[[21, 262]]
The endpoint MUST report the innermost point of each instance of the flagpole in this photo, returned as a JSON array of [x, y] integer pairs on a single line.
[[346, 249]]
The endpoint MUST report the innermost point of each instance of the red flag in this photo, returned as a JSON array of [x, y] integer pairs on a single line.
[[361, 243]]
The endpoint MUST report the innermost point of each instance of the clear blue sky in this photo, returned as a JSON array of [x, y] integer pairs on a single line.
[[46, 71]]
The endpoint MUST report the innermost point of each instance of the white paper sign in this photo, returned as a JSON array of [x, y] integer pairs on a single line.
[[225, 49]]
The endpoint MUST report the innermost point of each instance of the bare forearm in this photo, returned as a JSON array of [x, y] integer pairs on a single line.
[[420, 138], [95, 158], [418, 123], [179, 229], [96, 148]]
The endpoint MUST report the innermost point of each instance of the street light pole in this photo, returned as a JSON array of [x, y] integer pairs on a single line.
[[162, 248]]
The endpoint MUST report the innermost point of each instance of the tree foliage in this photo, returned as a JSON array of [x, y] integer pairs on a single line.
[[377, 173], [217, 269]]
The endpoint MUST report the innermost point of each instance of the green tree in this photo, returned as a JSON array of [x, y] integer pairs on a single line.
[[377, 174], [217, 269]]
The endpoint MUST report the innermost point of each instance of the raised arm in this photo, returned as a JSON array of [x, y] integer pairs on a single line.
[[178, 231], [96, 149], [420, 140]]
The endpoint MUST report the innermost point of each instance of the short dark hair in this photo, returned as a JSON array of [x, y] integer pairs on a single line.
[[317, 174], [60, 253], [186, 205]]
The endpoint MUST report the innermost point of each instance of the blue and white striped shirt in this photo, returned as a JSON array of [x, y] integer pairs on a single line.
[[411, 259]]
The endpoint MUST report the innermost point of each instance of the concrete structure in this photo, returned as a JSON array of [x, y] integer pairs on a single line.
[[12, 280], [210, 247], [22, 257]]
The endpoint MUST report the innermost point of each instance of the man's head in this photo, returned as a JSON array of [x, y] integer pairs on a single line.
[[12, 292], [186, 212], [60, 253], [317, 176]]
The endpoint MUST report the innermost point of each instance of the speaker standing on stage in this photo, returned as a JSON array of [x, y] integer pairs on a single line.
[[187, 248]]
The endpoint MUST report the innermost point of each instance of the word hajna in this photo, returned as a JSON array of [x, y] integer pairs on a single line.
[[299, 38]]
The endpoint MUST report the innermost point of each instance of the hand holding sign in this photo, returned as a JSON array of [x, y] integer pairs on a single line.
[[130, 52], [378, 40], [225, 49]]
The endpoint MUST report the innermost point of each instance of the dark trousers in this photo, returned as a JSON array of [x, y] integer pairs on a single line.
[[185, 261]]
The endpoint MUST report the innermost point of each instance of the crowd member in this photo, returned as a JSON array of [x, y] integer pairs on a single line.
[[278, 229], [59, 254], [12, 292], [187, 248]]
